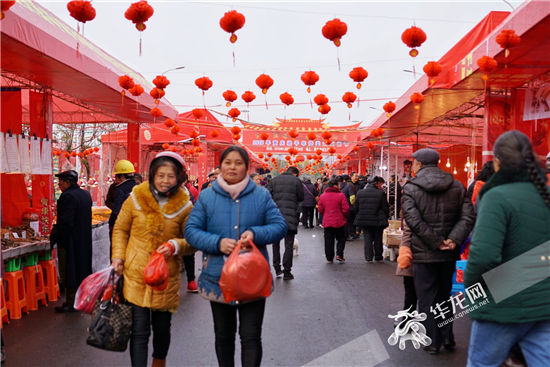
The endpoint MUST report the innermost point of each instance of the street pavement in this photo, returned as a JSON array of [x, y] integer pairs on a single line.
[[329, 315]]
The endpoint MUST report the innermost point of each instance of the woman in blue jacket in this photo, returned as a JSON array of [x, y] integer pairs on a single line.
[[233, 208]]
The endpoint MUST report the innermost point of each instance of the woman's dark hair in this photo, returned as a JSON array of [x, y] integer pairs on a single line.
[[166, 161], [515, 152], [241, 151], [486, 172], [333, 183]]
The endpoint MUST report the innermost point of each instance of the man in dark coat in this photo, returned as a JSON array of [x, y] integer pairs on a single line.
[[440, 216], [287, 191], [347, 186], [73, 235], [310, 200], [372, 212], [124, 176]]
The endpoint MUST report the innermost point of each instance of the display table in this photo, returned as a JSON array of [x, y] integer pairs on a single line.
[[25, 248], [101, 246], [391, 239]]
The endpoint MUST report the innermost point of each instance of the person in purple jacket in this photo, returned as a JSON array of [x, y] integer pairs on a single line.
[[334, 208]]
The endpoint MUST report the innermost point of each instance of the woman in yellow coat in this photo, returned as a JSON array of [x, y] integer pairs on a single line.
[[152, 218]]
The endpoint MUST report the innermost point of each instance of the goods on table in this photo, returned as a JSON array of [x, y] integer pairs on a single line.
[[14, 236], [100, 214]]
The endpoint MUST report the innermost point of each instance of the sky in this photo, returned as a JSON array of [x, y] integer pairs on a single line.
[[282, 39]]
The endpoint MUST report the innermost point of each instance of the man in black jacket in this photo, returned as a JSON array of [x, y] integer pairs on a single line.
[[287, 191], [124, 178], [73, 235], [440, 216]]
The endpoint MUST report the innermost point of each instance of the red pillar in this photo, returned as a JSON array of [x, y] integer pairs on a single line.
[[497, 121], [134, 146]]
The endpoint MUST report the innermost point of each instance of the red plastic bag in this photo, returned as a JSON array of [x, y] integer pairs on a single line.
[[156, 272], [245, 274], [90, 290]]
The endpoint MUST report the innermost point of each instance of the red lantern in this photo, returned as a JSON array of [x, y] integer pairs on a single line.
[[175, 130], [260, 155], [389, 107], [326, 135], [248, 96], [229, 96], [269, 154], [236, 137], [96, 149], [331, 150], [310, 78], [370, 146], [161, 81], [356, 148], [82, 11], [413, 37], [334, 30], [432, 69], [231, 22], [235, 130], [125, 82], [139, 13], [73, 154], [234, 113], [169, 123], [288, 158], [311, 136], [195, 142], [319, 151], [157, 93], [320, 99], [214, 133], [137, 90], [194, 133], [508, 38], [156, 112], [264, 136], [349, 98], [287, 99], [339, 156], [6, 5], [324, 109], [486, 64], [417, 98], [293, 134], [204, 83], [264, 82], [358, 75], [197, 113]]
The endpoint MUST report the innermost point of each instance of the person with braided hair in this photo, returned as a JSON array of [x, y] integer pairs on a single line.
[[513, 220]]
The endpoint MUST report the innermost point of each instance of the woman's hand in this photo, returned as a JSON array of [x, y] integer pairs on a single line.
[[118, 265], [227, 245], [247, 235], [166, 249]]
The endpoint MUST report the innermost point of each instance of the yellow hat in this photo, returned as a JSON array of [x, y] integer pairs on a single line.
[[124, 167]]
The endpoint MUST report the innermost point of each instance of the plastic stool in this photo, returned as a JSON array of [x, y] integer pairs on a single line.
[[458, 286], [51, 284], [16, 297], [34, 281], [4, 310]]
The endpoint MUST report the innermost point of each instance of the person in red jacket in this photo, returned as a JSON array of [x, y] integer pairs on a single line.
[[334, 208]]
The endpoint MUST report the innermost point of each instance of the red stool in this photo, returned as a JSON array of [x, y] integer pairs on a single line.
[[16, 297], [4, 310], [51, 284], [34, 281]]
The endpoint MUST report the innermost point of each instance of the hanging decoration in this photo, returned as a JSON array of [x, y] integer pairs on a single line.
[[169, 123], [248, 97], [311, 135], [137, 90], [376, 133], [229, 96], [389, 107], [81, 10], [286, 98], [309, 78], [214, 134], [161, 82], [157, 94], [231, 22], [197, 113], [5, 6], [349, 98], [234, 113], [432, 69], [204, 84], [293, 134], [334, 30], [413, 37], [175, 130], [486, 64], [324, 109], [139, 13], [264, 82], [507, 39], [125, 82], [320, 99], [156, 112], [358, 75], [235, 130], [264, 136], [417, 99]]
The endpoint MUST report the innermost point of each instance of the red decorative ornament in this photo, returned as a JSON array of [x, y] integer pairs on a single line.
[[264, 82], [157, 93], [324, 109], [508, 38], [355, 148], [204, 83], [194, 133], [286, 98], [235, 130], [293, 134], [339, 156], [260, 155], [236, 137], [326, 135], [137, 90], [96, 149], [331, 150], [229, 96], [413, 37], [231, 22], [81, 10], [417, 98], [269, 154], [311, 136], [197, 113], [486, 64], [349, 98], [309, 78], [161, 81], [165, 146], [214, 133], [370, 146], [125, 82], [334, 30], [139, 13], [175, 130], [248, 96], [234, 113], [432, 69], [156, 112], [195, 142], [288, 158], [264, 136], [320, 99], [319, 151], [169, 123], [358, 75], [389, 107]]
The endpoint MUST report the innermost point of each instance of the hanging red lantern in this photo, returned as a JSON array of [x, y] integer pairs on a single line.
[[355, 149], [214, 133], [139, 13], [389, 107], [231, 22], [248, 96], [370, 146], [157, 94], [234, 113], [156, 112], [432, 69], [309, 78], [81, 10], [236, 137], [197, 113], [508, 38], [326, 135], [204, 83], [125, 82], [96, 149], [349, 98], [169, 123], [288, 158], [194, 133], [413, 37], [260, 155], [161, 81], [311, 136], [358, 75], [229, 96], [137, 90], [235, 130], [269, 154], [264, 136], [339, 156], [6, 5], [293, 134], [324, 109], [331, 150], [195, 142], [486, 64], [417, 98], [264, 82], [320, 99], [286, 98], [175, 130], [319, 151], [334, 30]]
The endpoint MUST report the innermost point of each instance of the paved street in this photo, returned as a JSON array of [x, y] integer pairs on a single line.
[[330, 315]]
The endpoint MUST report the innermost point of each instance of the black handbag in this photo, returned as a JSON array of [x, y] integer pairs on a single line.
[[111, 321]]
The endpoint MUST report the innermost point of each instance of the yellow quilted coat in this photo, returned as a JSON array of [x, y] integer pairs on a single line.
[[141, 227]]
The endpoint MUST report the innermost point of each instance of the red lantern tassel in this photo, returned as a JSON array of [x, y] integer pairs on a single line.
[[338, 57], [233, 52], [265, 98]]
